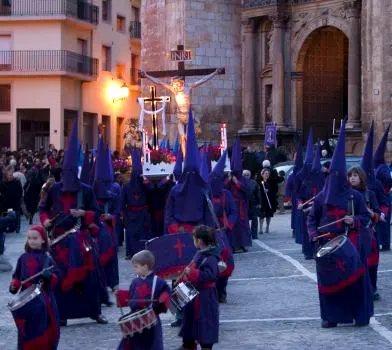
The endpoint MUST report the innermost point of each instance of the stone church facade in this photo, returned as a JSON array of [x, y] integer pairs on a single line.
[[309, 62], [296, 63]]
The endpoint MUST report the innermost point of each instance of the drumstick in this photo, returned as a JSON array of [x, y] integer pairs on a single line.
[[322, 236], [36, 275], [333, 222], [308, 201]]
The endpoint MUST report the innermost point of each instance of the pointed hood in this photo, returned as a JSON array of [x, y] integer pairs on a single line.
[[380, 151], [70, 180], [336, 187], [192, 156], [110, 162], [102, 178], [177, 171], [137, 168], [236, 159], [162, 144], [204, 172], [304, 173], [317, 178], [299, 159], [176, 145], [85, 173], [216, 178], [367, 163], [190, 191], [168, 145]]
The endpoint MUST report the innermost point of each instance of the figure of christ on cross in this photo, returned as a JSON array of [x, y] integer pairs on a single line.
[[182, 93]]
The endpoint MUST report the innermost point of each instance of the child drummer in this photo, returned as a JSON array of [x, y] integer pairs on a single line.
[[201, 316], [37, 332], [144, 288]]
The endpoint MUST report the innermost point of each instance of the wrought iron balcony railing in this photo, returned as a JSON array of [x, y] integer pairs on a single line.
[[47, 61], [78, 9], [135, 30], [263, 3]]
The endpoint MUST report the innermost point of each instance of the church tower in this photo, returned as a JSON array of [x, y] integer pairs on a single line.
[[211, 29]]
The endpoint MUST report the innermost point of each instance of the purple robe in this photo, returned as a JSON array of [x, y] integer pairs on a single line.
[[201, 316], [385, 182], [136, 215], [240, 236], [117, 190], [37, 332], [78, 294], [202, 216], [141, 289], [109, 262], [353, 300]]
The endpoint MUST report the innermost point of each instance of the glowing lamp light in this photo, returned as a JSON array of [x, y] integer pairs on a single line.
[[118, 93]]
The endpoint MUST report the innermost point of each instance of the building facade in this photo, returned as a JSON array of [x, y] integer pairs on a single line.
[[67, 58], [211, 29], [308, 63]]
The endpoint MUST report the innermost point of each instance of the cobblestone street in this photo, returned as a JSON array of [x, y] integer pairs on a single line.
[[272, 304]]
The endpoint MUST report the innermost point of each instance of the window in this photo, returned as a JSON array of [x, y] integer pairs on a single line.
[[107, 10], [82, 47], [135, 14], [5, 98], [106, 58], [120, 71], [120, 24]]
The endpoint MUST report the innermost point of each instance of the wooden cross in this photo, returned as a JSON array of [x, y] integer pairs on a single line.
[[181, 71], [153, 99]]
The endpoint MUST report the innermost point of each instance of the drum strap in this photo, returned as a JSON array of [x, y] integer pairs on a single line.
[[154, 284], [79, 204]]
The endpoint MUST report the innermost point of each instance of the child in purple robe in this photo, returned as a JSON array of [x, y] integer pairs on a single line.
[[34, 332], [201, 316], [146, 290], [357, 179]]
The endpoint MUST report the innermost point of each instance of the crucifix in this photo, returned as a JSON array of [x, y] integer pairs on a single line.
[[153, 99], [180, 89]]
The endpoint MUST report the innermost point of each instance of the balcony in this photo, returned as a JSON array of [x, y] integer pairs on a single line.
[[34, 9], [48, 62], [249, 4], [135, 30]]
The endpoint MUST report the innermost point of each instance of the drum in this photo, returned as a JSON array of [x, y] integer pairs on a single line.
[[136, 322], [29, 311], [338, 265], [183, 294]]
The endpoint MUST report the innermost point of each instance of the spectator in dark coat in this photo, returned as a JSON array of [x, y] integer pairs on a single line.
[[254, 202], [32, 191], [12, 191]]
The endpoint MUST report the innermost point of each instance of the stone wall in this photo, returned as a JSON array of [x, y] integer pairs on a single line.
[[212, 30], [376, 33]]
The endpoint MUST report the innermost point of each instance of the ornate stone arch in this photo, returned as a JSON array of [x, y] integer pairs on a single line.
[[300, 47]]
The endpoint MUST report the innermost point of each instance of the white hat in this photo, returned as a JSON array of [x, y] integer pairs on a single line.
[[266, 164]]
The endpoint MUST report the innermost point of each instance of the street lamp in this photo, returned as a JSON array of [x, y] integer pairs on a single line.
[[121, 93]]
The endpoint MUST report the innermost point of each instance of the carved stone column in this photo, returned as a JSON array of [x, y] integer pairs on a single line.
[[353, 8], [248, 75], [278, 69]]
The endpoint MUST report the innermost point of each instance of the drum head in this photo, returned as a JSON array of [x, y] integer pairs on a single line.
[[331, 246], [24, 297]]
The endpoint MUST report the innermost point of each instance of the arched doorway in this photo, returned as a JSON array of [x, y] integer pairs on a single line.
[[324, 63]]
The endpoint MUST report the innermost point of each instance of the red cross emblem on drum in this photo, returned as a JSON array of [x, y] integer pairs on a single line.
[[341, 265]]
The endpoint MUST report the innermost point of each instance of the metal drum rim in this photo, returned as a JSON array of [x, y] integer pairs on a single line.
[[339, 237]]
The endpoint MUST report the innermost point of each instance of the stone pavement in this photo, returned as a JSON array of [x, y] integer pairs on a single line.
[[272, 304]]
